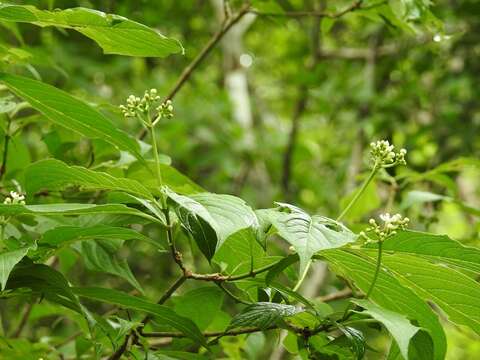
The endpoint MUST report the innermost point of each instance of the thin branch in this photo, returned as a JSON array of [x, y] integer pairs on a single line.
[[6, 142], [187, 72], [208, 333], [300, 107], [128, 339], [342, 294], [23, 320], [217, 277], [318, 14], [230, 294]]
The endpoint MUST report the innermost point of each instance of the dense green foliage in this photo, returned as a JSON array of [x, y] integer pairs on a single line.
[[239, 204]]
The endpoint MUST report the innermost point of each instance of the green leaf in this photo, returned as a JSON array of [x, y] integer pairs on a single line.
[[180, 355], [420, 197], [208, 298], [46, 281], [69, 112], [53, 174], [165, 314], [455, 293], [263, 315], [388, 293], [72, 209], [212, 218], [309, 234], [63, 235], [398, 325], [8, 260], [436, 248], [101, 256], [115, 34], [355, 339], [171, 177]]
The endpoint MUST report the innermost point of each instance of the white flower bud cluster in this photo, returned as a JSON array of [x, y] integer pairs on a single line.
[[136, 105], [384, 154], [15, 199], [391, 223], [165, 110]]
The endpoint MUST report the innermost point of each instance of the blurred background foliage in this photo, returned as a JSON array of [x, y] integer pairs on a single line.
[[282, 110]]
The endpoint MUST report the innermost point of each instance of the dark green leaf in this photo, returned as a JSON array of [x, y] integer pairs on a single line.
[[99, 256], [8, 260]]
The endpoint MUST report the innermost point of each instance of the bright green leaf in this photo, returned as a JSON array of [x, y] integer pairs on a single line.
[[69, 112], [115, 34], [309, 234], [53, 174]]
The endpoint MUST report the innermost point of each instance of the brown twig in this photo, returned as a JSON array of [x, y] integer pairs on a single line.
[[128, 339], [187, 72], [173, 334], [342, 294], [6, 142], [318, 14], [300, 108], [23, 320]]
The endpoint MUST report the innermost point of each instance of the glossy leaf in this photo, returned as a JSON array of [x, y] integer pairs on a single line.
[[263, 315], [69, 112], [53, 174], [115, 34]]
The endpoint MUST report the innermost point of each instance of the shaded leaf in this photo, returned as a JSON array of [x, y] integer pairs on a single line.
[[99, 256], [208, 298], [45, 281], [8, 260]]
